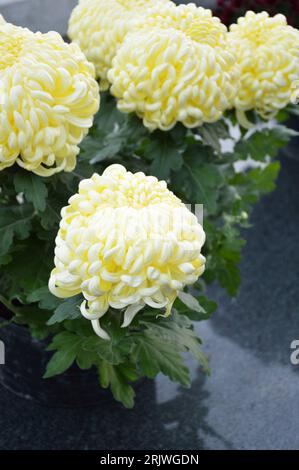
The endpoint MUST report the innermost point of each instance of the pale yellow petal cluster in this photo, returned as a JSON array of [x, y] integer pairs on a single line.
[[2, 20], [100, 26], [48, 97], [267, 51], [125, 241], [175, 67]]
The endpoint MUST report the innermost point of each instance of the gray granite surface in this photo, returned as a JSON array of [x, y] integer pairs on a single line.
[[38, 15]]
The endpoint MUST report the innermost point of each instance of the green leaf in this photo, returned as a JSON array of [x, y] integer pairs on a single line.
[[5, 259], [229, 278], [263, 143], [164, 153], [113, 133], [223, 246], [256, 182], [121, 390], [33, 187], [109, 116], [67, 345], [60, 362], [169, 336], [112, 351], [67, 310], [155, 355], [50, 218], [35, 319], [209, 305], [28, 273], [97, 151], [45, 299], [15, 222], [64, 339], [85, 359], [212, 133], [207, 181]]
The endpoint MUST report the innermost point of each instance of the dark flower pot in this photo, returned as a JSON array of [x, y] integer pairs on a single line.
[[25, 362]]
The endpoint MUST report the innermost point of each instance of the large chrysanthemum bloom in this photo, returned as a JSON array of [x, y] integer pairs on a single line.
[[177, 67], [125, 241], [48, 96], [100, 26], [267, 51]]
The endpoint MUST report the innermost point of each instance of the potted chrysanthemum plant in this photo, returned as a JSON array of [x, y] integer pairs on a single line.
[[102, 257]]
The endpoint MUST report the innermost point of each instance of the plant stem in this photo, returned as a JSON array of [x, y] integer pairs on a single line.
[[3, 324], [8, 305]]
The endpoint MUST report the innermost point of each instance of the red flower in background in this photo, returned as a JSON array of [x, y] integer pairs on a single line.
[[230, 10]]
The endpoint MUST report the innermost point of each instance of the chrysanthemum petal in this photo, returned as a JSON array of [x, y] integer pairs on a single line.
[[136, 245], [48, 96], [267, 52]]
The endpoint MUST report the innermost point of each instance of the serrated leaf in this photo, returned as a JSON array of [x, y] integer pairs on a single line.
[[33, 187], [212, 133], [156, 355], [121, 390], [15, 221], [85, 359], [113, 133], [35, 318], [108, 116], [51, 217], [45, 299], [164, 153], [113, 352], [177, 332], [229, 278], [209, 305], [67, 310], [60, 362], [5, 259], [256, 182], [27, 273], [206, 182], [67, 345], [263, 143], [64, 339]]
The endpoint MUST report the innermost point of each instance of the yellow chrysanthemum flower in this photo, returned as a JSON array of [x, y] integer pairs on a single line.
[[100, 26], [125, 241], [176, 67], [267, 51], [48, 96]]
